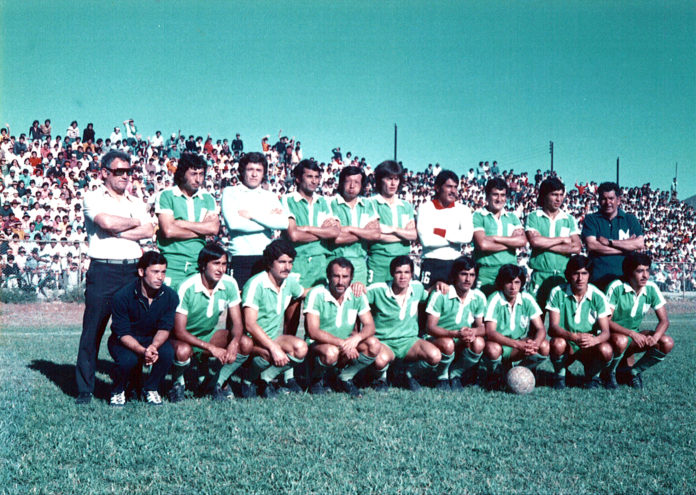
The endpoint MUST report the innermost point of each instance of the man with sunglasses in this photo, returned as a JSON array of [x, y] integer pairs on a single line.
[[115, 223]]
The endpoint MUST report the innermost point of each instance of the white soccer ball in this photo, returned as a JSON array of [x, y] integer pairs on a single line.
[[520, 380]]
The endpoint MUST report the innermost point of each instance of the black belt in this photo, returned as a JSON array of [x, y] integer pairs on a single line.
[[116, 262]]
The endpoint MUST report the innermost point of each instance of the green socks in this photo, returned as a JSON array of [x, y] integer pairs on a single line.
[[533, 361], [442, 369], [467, 359], [228, 370], [559, 364], [650, 358], [352, 369], [178, 371]]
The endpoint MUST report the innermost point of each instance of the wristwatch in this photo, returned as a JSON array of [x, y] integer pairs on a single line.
[[611, 243]]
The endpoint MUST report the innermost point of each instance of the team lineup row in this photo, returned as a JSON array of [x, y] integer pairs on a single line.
[[369, 234]]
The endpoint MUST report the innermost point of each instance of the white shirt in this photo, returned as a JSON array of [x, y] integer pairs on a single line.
[[443, 230]]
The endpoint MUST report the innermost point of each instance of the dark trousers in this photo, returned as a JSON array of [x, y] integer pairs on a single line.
[[102, 281], [242, 268], [126, 361], [434, 270]]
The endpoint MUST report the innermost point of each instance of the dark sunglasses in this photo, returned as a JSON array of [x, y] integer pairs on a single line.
[[118, 172]]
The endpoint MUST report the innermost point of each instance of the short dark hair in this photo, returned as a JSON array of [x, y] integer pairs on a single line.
[[404, 259], [386, 169], [349, 171], [253, 157], [496, 183], [275, 250], [343, 263], [608, 187], [444, 176], [461, 263], [150, 258], [548, 186], [633, 261], [578, 262], [300, 168], [210, 252], [508, 273], [187, 161], [114, 155]]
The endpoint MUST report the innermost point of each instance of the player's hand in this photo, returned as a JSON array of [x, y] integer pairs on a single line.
[[151, 355], [330, 222], [218, 353], [585, 340], [349, 347], [603, 241], [442, 287], [231, 354], [467, 335], [276, 211], [650, 340], [640, 339], [278, 356], [386, 229], [358, 289], [530, 347]]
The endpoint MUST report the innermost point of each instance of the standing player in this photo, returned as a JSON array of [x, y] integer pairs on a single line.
[[630, 299], [395, 310], [186, 214], [497, 235], [396, 222], [266, 297], [202, 299], [455, 323], [358, 219], [251, 214], [579, 325], [610, 234], [553, 235], [335, 338], [444, 225], [514, 330]]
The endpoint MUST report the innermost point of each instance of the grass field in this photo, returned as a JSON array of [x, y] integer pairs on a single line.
[[575, 441]]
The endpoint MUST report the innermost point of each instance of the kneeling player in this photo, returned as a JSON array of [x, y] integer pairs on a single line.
[[395, 310], [330, 319], [631, 297], [455, 323], [202, 299], [514, 330], [266, 297], [578, 309]]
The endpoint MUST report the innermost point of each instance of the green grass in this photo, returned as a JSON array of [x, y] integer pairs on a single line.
[[574, 441]]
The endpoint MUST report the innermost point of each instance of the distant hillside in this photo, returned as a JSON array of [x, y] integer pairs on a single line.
[[691, 201]]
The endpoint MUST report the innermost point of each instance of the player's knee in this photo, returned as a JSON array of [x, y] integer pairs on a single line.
[[382, 360], [605, 351], [182, 352], [299, 349], [558, 346], [477, 345], [445, 345], [666, 343], [433, 355], [330, 355], [492, 350], [619, 342], [544, 348], [372, 346], [245, 345]]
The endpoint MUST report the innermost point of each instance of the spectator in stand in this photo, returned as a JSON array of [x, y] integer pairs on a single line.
[[46, 129], [237, 144], [88, 134]]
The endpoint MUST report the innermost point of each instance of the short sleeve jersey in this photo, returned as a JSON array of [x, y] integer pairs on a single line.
[[270, 302], [308, 214], [578, 316], [512, 321], [359, 216], [453, 312], [336, 318], [202, 309], [193, 209], [629, 307], [393, 320], [399, 214], [487, 222], [564, 225]]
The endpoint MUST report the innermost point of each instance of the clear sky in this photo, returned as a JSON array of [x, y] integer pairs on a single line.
[[464, 81]]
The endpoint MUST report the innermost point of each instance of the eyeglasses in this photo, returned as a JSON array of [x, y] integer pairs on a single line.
[[118, 172]]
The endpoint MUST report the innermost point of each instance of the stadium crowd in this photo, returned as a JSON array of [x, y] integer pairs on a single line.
[[45, 175]]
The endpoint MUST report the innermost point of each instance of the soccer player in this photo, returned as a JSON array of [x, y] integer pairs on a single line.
[[553, 235], [394, 307], [444, 224], [142, 317], [186, 214], [396, 222], [630, 298], [497, 235], [455, 324], [579, 324], [265, 298], [514, 330], [336, 339], [358, 219], [610, 234], [251, 214], [310, 228], [202, 299]]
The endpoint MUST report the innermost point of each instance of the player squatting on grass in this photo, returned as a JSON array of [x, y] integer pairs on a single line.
[[459, 338]]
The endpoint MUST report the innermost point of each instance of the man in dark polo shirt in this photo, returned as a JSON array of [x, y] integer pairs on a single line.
[[610, 234], [142, 318]]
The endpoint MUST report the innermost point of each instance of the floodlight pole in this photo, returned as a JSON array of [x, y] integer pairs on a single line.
[[551, 151], [617, 170], [395, 136]]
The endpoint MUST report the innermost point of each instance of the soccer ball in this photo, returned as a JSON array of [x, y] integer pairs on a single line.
[[520, 380]]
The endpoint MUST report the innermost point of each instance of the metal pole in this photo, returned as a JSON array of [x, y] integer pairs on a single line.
[[551, 151], [617, 170], [395, 136]]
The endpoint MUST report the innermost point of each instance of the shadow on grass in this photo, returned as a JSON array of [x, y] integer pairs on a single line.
[[63, 375]]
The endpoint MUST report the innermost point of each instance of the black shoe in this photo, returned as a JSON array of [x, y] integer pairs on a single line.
[[559, 382], [349, 387], [269, 391], [176, 393], [456, 384], [318, 387], [443, 385], [469, 377], [221, 394], [248, 390], [84, 398], [610, 382], [411, 384], [152, 397], [636, 382], [593, 383], [292, 387], [381, 385]]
